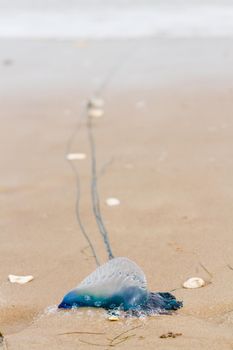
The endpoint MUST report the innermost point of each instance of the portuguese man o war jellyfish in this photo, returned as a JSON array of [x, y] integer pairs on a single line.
[[119, 284]]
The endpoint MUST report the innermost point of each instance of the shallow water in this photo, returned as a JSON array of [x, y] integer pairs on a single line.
[[115, 19]]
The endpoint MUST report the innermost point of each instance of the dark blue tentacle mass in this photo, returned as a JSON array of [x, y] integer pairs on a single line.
[[163, 301]]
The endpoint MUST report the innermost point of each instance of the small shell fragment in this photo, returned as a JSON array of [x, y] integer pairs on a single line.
[[113, 318], [194, 282], [112, 202], [95, 112], [20, 279], [75, 156], [96, 102]]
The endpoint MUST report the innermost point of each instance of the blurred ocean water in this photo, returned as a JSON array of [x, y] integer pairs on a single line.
[[104, 19]]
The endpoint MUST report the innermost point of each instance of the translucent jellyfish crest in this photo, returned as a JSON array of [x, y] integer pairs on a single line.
[[117, 274]]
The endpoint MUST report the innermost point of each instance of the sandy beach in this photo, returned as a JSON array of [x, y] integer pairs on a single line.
[[164, 149]]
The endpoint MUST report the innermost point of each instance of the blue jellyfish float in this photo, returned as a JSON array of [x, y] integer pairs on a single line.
[[119, 284]]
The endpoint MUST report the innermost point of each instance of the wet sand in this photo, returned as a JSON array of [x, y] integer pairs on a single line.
[[164, 148]]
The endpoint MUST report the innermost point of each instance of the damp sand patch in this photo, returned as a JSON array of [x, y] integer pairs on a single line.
[[15, 318]]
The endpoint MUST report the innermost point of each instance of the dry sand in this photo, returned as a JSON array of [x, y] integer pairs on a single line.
[[164, 148]]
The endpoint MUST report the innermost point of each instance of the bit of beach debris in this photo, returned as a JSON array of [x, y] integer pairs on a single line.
[[113, 318], [20, 279], [95, 107], [229, 267], [194, 282], [111, 342], [1, 338], [82, 332], [170, 335], [95, 112], [118, 339], [111, 202], [141, 337], [76, 156], [3, 342]]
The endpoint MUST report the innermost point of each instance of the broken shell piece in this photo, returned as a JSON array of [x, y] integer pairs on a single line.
[[194, 282], [96, 102], [20, 279], [113, 318], [95, 112], [75, 156], [112, 201]]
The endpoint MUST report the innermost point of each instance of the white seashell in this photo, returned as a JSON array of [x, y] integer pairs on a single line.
[[95, 112], [20, 279], [112, 202], [76, 156], [194, 282], [113, 318], [96, 102]]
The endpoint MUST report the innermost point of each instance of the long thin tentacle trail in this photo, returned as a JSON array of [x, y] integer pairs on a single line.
[[94, 191], [78, 196], [94, 182]]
